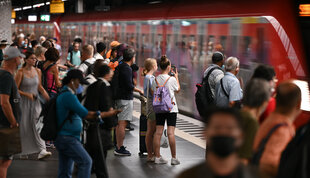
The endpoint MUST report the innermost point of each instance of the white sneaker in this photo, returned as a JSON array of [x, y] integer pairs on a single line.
[[175, 161], [44, 154], [160, 160]]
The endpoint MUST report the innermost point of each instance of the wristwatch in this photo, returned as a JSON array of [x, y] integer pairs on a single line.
[[98, 114]]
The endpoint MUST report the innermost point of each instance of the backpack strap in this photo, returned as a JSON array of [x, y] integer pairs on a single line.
[[69, 115], [261, 147], [161, 85], [205, 79], [226, 94]]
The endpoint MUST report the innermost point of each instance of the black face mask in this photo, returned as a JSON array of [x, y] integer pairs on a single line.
[[222, 146]]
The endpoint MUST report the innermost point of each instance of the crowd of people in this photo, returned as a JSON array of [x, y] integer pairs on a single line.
[[96, 94]]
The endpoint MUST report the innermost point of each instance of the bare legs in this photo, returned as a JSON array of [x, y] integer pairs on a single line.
[[120, 133], [151, 127], [171, 138], [4, 165]]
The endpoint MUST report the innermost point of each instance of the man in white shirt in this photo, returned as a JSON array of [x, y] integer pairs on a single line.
[[86, 58], [101, 49]]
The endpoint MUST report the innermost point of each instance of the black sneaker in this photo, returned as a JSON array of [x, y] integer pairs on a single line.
[[122, 151]]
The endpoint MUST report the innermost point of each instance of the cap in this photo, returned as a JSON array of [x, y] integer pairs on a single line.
[[114, 44], [217, 57], [11, 53], [4, 42], [76, 73]]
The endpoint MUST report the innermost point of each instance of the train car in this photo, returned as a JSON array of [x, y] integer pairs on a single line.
[[188, 32]]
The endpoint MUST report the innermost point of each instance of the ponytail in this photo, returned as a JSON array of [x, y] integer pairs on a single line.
[[164, 62], [149, 63]]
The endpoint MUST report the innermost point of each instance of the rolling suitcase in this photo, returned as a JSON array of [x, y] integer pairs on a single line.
[[142, 127]]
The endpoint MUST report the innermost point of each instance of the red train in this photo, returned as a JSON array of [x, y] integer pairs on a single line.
[[256, 32]]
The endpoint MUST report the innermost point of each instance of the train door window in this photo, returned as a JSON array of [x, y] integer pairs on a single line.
[[211, 38], [223, 41]]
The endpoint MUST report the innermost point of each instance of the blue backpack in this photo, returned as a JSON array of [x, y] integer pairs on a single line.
[[162, 102]]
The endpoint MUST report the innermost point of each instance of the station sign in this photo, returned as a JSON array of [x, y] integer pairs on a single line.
[[13, 14], [45, 18], [32, 18], [57, 6], [304, 10]]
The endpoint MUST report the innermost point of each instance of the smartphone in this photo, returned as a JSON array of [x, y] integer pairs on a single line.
[[171, 73]]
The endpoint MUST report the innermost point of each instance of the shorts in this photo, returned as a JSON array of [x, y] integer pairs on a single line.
[[151, 116], [127, 107], [170, 117]]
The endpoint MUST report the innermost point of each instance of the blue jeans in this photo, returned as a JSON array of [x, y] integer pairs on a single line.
[[71, 150]]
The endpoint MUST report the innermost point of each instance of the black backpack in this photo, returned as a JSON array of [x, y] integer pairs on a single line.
[[44, 76], [50, 126], [203, 97], [295, 159], [90, 68]]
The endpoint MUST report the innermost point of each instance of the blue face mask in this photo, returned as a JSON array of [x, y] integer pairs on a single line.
[[80, 89], [223, 67]]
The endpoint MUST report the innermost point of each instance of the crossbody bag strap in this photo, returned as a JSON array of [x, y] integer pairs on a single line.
[[223, 88]]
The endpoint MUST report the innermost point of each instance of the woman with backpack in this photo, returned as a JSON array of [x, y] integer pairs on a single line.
[[164, 89], [150, 66], [50, 73], [28, 81]]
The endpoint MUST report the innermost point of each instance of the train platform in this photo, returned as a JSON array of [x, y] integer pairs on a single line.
[[190, 151]]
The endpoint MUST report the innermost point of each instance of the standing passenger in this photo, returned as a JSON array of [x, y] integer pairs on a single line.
[[150, 67], [28, 81], [217, 74], [228, 90], [87, 58], [74, 56], [9, 100], [223, 132], [267, 73], [50, 72], [68, 141], [256, 96], [124, 100], [279, 125], [99, 97], [173, 85]]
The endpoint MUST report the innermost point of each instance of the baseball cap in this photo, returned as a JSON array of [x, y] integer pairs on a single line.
[[114, 44], [217, 57], [4, 42], [76, 73], [11, 53]]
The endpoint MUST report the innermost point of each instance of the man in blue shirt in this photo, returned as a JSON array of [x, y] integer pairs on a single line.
[[228, 91], [74, 56]]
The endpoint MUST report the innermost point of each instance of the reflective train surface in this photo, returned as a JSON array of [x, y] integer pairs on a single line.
[[188, 33]]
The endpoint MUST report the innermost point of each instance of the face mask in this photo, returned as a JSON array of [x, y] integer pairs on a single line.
[[80, 89], [223, 67], [222, 146]]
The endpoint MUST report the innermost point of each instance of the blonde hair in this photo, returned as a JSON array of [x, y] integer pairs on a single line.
[[149, 63]]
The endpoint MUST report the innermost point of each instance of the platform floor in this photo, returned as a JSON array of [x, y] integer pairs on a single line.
[[130, 167]]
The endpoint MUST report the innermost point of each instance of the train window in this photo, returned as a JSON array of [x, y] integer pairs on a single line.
[[223, 40]]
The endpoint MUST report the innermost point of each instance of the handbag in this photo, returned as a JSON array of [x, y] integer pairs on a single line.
[[10, 141]]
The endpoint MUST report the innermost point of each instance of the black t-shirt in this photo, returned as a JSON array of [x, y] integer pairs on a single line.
[[8, 87]]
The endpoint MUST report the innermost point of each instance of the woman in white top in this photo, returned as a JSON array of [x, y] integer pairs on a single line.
[[150, 66], [173, 86]]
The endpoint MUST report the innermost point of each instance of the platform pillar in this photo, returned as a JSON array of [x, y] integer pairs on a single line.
[[5, 20]]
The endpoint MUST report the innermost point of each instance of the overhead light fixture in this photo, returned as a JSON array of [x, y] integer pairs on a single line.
[[27, 7], [155, 2]]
